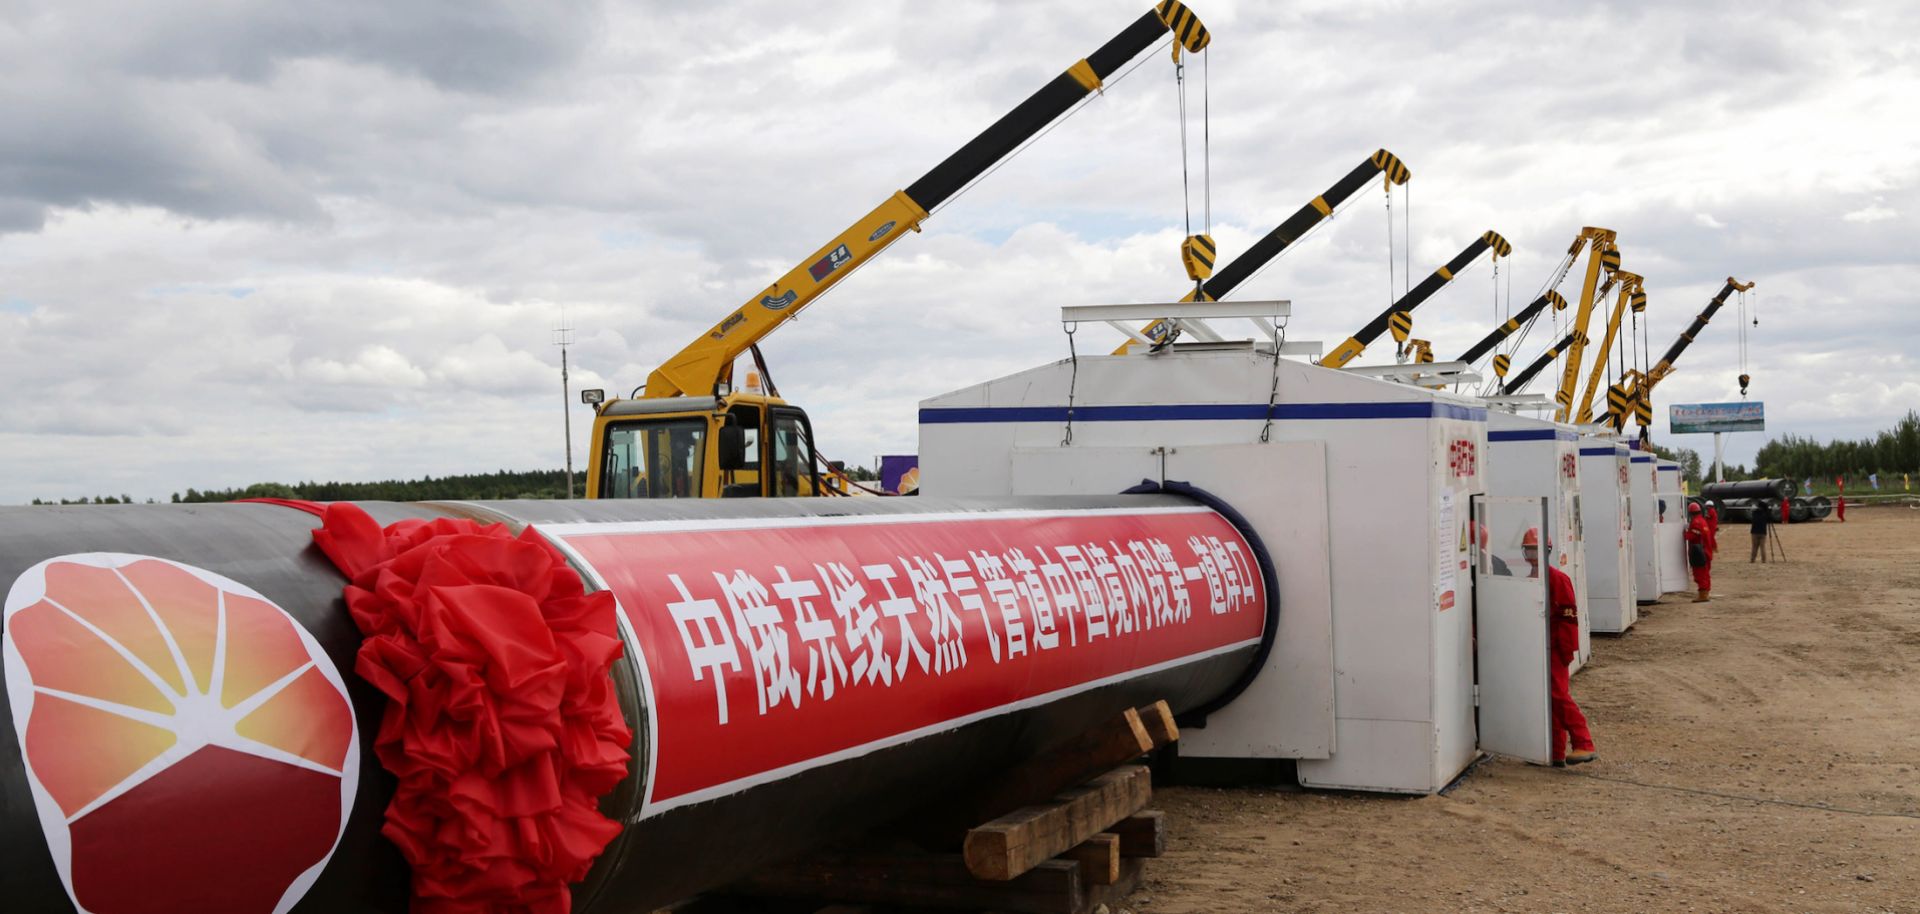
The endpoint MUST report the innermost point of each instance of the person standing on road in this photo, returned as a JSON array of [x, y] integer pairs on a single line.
[[1698, 556], [1568, 725], [1762, 517]]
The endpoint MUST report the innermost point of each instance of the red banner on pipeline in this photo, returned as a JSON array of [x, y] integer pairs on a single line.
[[772, 645]]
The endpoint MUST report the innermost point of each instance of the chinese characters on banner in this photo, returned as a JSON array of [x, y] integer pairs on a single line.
[[771, 647]]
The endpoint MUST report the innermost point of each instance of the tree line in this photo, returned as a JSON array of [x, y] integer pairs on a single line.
[[498, 486], [1892, 451], [504, 484]]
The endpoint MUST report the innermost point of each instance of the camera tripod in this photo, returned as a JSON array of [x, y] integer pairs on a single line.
[[1774, 545]]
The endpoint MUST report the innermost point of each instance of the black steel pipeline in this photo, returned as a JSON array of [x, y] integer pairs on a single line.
[[1752, 488], [1033, 616]]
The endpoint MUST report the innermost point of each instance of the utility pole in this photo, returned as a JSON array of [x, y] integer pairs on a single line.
[[563, 337]]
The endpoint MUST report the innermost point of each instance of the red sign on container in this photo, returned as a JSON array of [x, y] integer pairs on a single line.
[[774, 645]]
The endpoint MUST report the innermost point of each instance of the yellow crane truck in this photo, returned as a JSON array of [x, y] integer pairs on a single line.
[[688, 433]]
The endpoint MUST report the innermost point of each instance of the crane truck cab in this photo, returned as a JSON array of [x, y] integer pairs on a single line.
[[740, 445]]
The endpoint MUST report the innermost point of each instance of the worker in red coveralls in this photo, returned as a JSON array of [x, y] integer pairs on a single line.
[[1699, 555], [1568, 724]]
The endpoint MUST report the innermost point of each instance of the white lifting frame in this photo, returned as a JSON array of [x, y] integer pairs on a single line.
[[1190, 316], [1422, 372]]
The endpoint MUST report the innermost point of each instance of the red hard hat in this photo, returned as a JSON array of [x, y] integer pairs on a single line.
[[1693, 507], [1532, 538]]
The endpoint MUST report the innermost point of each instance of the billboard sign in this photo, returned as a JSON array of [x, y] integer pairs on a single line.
[[1695, 418]]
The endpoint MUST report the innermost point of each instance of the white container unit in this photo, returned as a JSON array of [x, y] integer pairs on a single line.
[[1607, 517], [1646, 544], [1528, 456], [1670, 522], [1362, 491]]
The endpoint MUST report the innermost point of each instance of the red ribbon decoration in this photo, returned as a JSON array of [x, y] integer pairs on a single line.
[[502, 724]]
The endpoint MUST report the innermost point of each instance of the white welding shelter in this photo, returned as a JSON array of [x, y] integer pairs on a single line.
[[1528, 456], [1646, 544], [1362, 490], [1670, 509], [1606, 505]]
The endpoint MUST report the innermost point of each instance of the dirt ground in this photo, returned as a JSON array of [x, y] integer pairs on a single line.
[[1760, 752]]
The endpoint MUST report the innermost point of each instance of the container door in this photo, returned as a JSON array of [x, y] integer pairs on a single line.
[[1511, 649]]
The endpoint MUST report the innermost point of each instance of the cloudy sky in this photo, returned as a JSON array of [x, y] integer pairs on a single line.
[[248, 241]]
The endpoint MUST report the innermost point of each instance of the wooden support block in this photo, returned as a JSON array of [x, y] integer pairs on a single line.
[[1112, 895], [1099, 858], [1158, 718], [1143, 834], [1119, 740], [921, 880], [1020, 840]]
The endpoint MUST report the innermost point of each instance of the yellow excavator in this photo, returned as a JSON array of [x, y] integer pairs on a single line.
[[688, 433]]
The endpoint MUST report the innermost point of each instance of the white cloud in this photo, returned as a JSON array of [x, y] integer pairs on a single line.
[[1874, 213], [246, 244]]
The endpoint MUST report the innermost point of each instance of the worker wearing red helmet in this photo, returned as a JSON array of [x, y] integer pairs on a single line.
[[1568, 724], [1699, 551]]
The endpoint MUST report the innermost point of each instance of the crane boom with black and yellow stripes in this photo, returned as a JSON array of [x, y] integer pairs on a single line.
[[1500, 333], [1400, 314], [690, 434], [1601, 256], [1519, 382], [1223, 281], [1630, 292], [1639, 396]]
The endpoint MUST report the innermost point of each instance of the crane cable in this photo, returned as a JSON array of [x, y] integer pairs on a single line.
[[1206, 146], [1514, 340], [1618, 357], [1518, 338], [1405, 278], [1023, 147], [1643, 358], [1296, 243], [1406, 240], [1743, 307], [1004, 161], [1391, 298]]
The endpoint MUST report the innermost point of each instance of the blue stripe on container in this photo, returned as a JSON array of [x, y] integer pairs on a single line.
[[1596, 452], [1201, 412], [1531, 434], [1643, 460]]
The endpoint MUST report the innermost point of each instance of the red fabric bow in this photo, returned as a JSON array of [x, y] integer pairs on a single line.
[[502, 724]]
